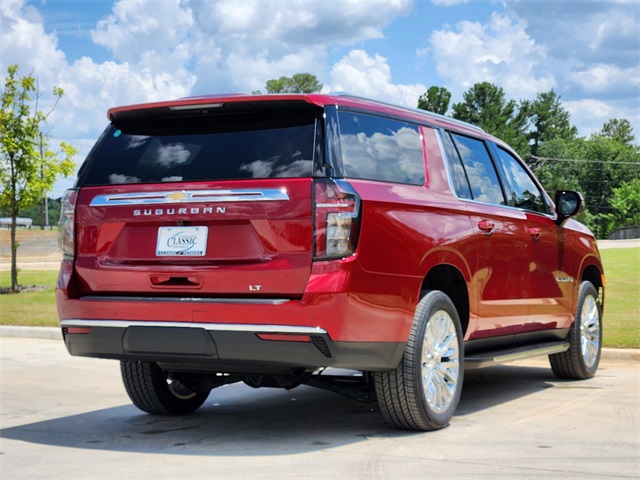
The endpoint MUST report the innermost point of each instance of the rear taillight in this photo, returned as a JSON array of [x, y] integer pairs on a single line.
[[65, 225], [337, 219]]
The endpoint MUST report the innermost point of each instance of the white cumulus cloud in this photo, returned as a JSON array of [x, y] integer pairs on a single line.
[[370, 76], [175, 48], [499, 52], [603, 77], [136, 29]]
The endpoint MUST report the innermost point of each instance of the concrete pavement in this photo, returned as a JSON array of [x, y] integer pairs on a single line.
[[70, 418]]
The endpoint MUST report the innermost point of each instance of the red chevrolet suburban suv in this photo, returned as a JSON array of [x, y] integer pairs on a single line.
[[265, 238]]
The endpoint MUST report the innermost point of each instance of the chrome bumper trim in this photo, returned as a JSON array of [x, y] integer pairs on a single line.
[[251, 301], [214, 327]]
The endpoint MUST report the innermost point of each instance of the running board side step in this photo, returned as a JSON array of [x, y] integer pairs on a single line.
[[488, 359]]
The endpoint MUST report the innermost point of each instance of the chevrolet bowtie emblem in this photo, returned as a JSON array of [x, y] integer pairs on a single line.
[[176, 196]]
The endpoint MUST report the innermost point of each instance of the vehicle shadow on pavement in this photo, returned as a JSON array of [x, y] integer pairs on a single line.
[[488, 387], [239, 421]]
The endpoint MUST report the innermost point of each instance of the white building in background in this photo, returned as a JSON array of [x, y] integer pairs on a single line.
[[5, 222]]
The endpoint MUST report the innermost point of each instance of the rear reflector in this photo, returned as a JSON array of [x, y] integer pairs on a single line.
[[78, 330], [276, 337]]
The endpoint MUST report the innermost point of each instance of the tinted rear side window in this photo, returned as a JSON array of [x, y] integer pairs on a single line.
[[383, 149], [480, 170], [174, 150], [458, 175]]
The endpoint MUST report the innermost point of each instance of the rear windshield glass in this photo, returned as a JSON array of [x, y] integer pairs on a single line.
[[216, 148]]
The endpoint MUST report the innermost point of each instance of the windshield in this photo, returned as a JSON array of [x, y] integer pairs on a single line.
[[197, 149]]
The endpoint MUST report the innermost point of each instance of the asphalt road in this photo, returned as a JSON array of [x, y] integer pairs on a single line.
[[69, 418]]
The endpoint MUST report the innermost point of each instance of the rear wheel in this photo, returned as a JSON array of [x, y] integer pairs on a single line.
[[153, 391], [585, 339], [424, 391]]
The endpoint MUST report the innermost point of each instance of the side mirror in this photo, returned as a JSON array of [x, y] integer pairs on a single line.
[[568, 204]]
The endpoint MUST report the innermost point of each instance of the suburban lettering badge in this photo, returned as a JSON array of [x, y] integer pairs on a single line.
[[151, 212]]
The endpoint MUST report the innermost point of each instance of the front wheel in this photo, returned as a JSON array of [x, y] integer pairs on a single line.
[[153, 391], [585, 339], [424, 391]]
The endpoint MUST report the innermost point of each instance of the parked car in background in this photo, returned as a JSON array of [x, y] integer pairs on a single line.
[[264, 239]]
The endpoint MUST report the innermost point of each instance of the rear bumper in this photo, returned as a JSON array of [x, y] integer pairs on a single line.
[[346, 318], [225, 347]]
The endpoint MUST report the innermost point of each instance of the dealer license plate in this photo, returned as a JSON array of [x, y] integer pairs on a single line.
[[182, 241]]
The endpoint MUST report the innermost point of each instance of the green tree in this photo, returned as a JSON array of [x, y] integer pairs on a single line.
[[626, 205], [298, 83], [551, 168], [485, 105], [608, 164], [597, 167], [619, 130], [28, 167], [436, 100], [548, 120]]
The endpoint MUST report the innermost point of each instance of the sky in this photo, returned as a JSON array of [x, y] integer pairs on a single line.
[[106, 53]]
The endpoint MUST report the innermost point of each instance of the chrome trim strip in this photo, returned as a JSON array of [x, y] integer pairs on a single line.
[[191, 196], [213, 327], [252, 301]]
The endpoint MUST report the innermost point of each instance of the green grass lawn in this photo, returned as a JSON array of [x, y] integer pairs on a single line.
[[622, 297], [621, 319], [34, 309]]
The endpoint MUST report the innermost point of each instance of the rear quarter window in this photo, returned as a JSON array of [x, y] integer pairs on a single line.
[[383, 149]]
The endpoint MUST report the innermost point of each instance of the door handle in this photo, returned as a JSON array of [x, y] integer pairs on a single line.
[[486, 226], [535, 233]]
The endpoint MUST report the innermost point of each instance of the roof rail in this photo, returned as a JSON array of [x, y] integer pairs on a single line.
[[410, 109]]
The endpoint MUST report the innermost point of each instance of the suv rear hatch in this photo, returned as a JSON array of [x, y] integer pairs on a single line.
[[211, 200]]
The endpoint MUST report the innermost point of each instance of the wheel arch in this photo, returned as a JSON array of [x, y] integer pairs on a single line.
[[449, 279], [594, 273]]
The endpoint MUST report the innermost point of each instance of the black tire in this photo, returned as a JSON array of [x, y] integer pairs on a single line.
[[150, 389], [424, 391], [585, 339]]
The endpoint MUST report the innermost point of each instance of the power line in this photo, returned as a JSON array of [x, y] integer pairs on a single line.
[[583, 160]]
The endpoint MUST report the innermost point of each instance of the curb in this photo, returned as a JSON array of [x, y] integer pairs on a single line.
[[624, 355], [45, 333]]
